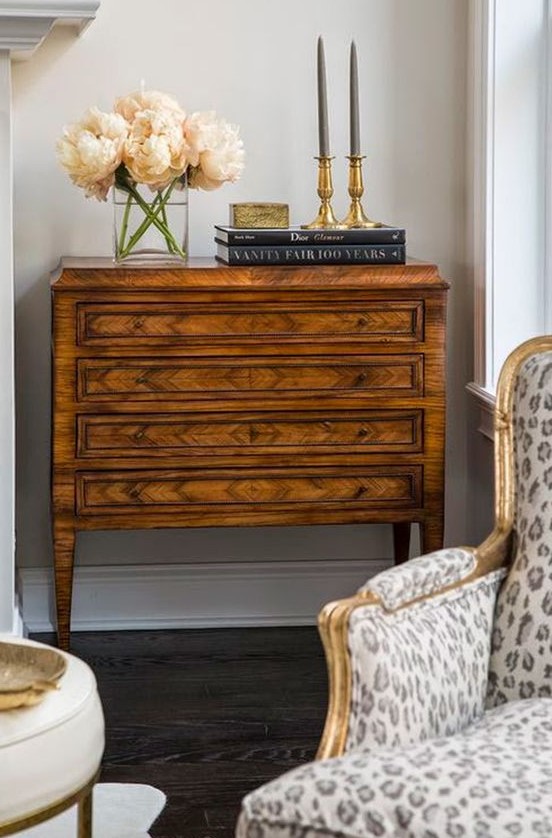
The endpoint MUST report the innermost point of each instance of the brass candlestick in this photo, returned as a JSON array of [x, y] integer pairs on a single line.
[[325, 217], [355, 216]]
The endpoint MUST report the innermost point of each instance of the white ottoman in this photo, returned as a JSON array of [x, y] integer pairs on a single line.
[[50, 754]]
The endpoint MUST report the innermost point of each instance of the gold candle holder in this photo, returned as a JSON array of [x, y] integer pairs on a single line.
[[355, 216], [325, 218]]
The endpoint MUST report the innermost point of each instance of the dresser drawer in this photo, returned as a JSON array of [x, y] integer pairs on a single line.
[[120, 324], [185, 378], [98, 493], [151, 435]]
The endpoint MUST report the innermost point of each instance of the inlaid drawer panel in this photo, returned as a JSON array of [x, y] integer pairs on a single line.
[[131, 325], [184, 378], [151, 491], [164, 435]]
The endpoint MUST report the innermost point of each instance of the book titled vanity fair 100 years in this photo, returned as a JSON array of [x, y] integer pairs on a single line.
[[313, 254]]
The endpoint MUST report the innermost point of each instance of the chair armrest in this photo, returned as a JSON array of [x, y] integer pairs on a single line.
[[408, 656], [421, 577]]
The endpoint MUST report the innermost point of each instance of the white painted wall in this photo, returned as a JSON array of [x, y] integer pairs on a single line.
[[255, 64], [23, 26], [7, 487]]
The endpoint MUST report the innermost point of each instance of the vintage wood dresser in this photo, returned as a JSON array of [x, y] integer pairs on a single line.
[[213, 396]]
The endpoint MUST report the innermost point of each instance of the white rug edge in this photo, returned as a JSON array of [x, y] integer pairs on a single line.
[[120, 810]]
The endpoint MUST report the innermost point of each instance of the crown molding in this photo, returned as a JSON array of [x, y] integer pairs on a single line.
[[25, 23]]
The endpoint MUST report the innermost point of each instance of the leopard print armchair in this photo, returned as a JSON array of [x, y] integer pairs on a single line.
[[440, 713]]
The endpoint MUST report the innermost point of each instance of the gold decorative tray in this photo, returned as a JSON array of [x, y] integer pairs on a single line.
[[27, 673]]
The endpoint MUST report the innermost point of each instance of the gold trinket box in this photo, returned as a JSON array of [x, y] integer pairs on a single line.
[[259, 215]]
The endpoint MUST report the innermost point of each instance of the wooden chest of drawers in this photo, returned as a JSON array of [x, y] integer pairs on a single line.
[[217, 396]]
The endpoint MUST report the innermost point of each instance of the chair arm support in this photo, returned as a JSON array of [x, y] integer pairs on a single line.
[[421, 671]]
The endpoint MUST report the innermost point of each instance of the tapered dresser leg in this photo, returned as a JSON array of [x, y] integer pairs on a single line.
[[84, 829], [432, 535], [401, 542], [64, 555]]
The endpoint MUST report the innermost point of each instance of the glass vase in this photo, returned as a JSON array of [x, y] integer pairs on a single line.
[[151, 226]]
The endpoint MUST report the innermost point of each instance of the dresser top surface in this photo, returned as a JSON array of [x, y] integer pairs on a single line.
[[96, 274]]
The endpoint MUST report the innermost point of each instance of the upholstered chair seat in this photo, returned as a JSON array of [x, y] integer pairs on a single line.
[[494, 778], [50, 753], [440, 714]]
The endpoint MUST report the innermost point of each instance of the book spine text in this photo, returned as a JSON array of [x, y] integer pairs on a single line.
[[336, 255], [245, 238]]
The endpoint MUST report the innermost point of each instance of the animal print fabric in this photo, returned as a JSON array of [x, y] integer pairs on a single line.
[[422, 576], [521, 662], [420, 672], [493, 780]]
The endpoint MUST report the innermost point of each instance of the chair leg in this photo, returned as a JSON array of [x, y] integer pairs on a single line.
[[401, 542], [84, 828]]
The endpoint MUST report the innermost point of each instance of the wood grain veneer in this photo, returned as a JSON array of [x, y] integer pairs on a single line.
[[210, 395]]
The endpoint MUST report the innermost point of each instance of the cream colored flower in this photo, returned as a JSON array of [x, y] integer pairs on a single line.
[[216, 154], [91, 150], [155, 152], [197, 180], [147, 100], [201, 132]]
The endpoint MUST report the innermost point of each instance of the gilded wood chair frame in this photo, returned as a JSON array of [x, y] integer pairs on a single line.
[[492, 554]]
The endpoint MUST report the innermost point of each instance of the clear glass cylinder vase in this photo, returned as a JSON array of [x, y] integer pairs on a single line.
[[151, 226]]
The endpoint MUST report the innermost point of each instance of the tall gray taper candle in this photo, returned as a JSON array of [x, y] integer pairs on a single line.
[[353, 103], [323, 140]]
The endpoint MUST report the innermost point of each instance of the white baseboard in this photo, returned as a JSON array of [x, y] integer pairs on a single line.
[[195, 595], [18, 629], [18, 626]]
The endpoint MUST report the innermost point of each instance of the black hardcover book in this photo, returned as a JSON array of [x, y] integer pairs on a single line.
[[312, 254], [297, 236]]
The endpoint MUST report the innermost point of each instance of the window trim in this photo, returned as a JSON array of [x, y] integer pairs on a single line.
[[484, 138]]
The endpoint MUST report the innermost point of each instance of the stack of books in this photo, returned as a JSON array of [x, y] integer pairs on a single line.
[[295, 246]]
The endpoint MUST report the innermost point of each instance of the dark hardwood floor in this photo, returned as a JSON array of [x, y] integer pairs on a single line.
[[206, 715]]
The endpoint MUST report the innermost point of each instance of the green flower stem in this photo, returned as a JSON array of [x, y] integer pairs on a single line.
[[146, 223], [124, 225], [150, 218], [152, 213], [166, 223]]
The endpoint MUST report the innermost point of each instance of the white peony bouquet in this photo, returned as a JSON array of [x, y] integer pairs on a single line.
[[149, 140]]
